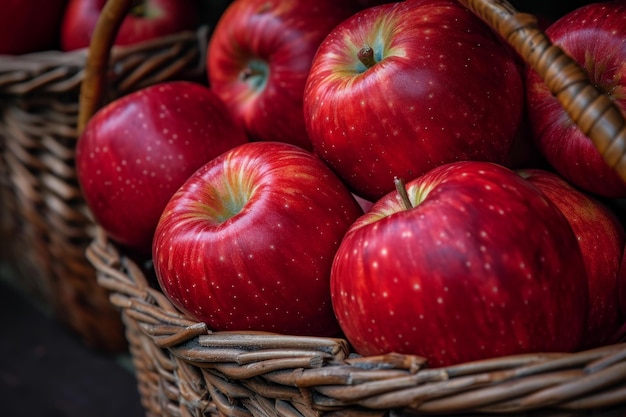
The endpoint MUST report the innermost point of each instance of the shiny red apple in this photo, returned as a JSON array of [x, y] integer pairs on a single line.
[[400, 88], [30, 26], [480, 264], [259, 57], [594, 35], [248, 241], [139, 149], [601, 238], [148, 19]]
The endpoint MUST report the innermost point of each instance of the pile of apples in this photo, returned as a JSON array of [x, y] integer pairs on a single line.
[[390, 173], [67, 25]]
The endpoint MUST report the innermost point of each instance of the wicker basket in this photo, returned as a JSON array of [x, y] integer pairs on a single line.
[[184, 369], [44, 222]]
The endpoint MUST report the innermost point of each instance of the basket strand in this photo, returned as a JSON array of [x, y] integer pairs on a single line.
[[593, 111]]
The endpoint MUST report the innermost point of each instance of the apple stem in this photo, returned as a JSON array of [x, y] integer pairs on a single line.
[[254, 68], [247, 73], [401, 188], [366, 56]]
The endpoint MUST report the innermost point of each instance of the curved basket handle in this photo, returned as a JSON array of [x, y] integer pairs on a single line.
[[93, 85], [594, 113]]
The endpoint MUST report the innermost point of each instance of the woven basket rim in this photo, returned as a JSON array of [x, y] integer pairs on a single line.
[[56, 72], [336, 378], [59, 57]]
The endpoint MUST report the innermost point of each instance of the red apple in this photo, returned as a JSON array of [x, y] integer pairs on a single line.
[[618, 206], [621, 290], [595, 36], [258, 59], [371, 3], [601, 238], [148, 19], [398, 89], [30, 26], [248, 241], [481, 265], [138, 150]]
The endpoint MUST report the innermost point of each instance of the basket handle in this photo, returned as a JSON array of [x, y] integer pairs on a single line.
[[594, 113], [94, 81]]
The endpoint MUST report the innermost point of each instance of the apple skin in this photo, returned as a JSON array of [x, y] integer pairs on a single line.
[[483, 265], [258, 59], [139, 149], [595, 36], [621, 290], [364, 4], [248, 241], [601, 238], [30, 26], [150, 19], [427, 100]]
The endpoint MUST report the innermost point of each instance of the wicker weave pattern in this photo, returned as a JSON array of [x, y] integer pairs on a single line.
[[184, 369], [42, 214]]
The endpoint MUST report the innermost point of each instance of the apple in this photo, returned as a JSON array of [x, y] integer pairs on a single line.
[[479, 264], [400, 88], [148, 19], [364, 4], [524, 152], [594, 35], [618, 206], [258, 59], [139, 149], [601, 238], [248, 241], [30, 26], [621, 290]]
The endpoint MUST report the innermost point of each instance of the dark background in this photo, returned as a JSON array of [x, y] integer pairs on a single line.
[[46, 371]]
